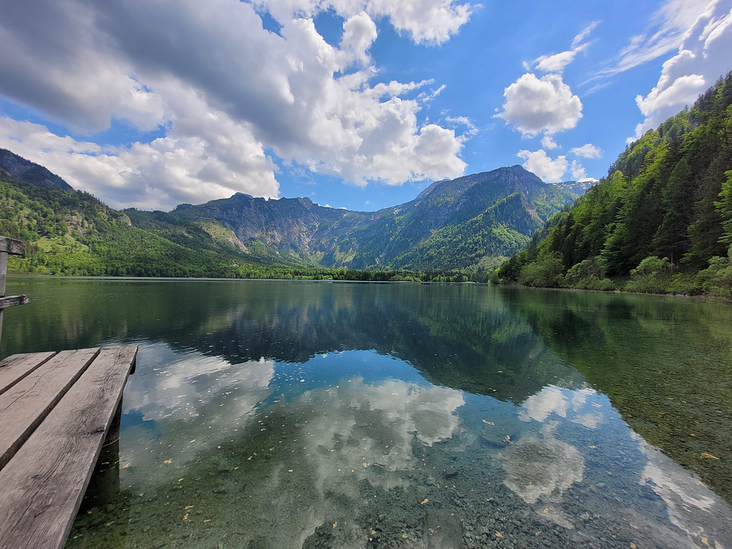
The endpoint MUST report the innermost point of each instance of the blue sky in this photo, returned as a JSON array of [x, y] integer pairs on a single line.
[[352, 103]]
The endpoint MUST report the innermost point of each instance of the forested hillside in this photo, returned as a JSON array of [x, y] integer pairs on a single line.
[[660, 221], [441, 235], [453, 230], [471, 223], [71, 232]]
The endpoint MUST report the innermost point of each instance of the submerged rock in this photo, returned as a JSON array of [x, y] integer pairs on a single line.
[[499, 434]]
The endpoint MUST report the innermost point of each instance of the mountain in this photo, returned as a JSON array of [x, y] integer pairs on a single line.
[[453, 224], [577, 187], [29, 172], [470, 223], [71, 232], [660, 221]]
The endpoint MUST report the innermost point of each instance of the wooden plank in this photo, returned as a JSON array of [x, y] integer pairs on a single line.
[[13, 300], [16, 367], [3, 279], [11, 246], [42, 487], [3, 272], [28, 402]]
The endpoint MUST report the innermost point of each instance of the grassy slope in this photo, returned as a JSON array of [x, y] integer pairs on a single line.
[[70, 232]]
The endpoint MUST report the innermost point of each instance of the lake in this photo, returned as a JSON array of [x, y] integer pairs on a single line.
[[268, 414]]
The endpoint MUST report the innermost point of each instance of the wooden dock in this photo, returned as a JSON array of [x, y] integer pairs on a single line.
[[9, 246], [55, 414]]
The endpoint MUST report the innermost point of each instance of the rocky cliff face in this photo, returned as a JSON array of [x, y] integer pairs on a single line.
[[577, 187], [486, 214], [453, 224]]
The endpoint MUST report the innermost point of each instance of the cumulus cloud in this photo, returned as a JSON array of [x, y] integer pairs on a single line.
[[180, 167], [359, 32], [548, 142], [535, 105], [222, 89], [703, 56], [578, 172], [588, 150], [539, 163], [425, 21]]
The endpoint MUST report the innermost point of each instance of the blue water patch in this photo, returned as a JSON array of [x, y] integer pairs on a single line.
[[331, 369]]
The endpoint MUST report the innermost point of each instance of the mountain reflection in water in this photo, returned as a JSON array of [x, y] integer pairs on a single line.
[[276, 414]]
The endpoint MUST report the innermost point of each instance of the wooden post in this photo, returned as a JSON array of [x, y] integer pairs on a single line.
[[8, 246]]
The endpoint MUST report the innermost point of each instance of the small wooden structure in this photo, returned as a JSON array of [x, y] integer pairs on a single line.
[[8, 246], [56, 410]]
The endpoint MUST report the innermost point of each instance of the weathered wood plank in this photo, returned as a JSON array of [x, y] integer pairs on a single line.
[[16, 367], [42, 487], [11, 246], [3, 272], [12, 300], [3, 279], [28, 402]]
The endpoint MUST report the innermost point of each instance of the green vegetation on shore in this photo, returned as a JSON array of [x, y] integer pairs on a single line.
[[661, 221], [70, 232]]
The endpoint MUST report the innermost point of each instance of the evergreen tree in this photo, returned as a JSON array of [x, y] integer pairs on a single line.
[[724, 207], [672, 238]]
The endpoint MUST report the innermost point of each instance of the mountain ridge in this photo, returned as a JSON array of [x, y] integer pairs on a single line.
[[339, 238], [489, 214], [30, 172]]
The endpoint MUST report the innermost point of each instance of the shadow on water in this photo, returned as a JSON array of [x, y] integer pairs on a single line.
[[298, 414]]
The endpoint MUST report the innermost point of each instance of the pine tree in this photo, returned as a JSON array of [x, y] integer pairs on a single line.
[[672, 238], [724, 208]]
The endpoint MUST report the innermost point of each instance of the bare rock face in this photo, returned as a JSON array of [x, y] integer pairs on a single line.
[[451, 224], [538, 467]]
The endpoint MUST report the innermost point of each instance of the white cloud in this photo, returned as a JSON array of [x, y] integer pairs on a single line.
[[537, 162], [223, 159], [425, 21], [223, 90], [587, 150], [470, 129], [535, 105], [664, 32], [578, 172], [548, 142], [359, 32], [703, 56], [584, 33], [557, 62]]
